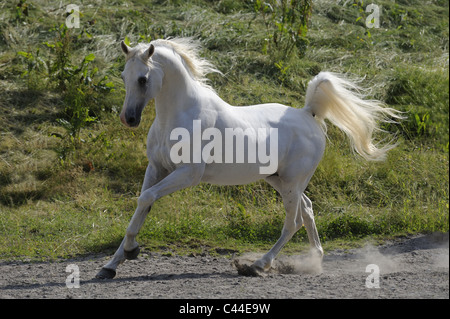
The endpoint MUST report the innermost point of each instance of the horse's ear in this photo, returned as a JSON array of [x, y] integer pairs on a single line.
[[150, 51], [125, 47]]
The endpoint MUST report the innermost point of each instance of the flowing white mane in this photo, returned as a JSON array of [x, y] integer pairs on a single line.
[[188, 49]]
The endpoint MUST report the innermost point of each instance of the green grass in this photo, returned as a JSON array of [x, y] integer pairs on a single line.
[[62, 197]]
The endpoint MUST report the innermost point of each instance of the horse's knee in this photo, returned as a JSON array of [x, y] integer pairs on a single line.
[[147, 198]]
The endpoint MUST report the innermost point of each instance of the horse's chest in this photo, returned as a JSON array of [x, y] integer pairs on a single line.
[[158, 152]]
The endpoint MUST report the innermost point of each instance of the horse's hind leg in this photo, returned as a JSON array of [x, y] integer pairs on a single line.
[[308, 218], [291, 200], [305, 216]]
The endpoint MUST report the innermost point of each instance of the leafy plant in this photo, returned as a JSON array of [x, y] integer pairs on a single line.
[[35, 66], [286, 24], [422, 123], [80, 88], [22, 10], [283, 69], [80, 98], [60, 68]]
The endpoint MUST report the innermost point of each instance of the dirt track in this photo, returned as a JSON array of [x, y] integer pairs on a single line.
[[414, 267]]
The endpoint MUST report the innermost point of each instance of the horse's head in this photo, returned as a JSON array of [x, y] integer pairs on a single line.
[[142, 82]]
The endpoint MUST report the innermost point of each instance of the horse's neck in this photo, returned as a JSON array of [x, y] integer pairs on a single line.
[[181, 95], [178, 90], [176, 97]]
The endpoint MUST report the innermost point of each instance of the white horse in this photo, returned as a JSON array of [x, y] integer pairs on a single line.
[[171, 72]]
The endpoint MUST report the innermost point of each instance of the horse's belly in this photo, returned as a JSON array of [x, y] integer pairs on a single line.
[[232, 174]]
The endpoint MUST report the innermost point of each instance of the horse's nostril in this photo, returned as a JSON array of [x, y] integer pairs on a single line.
[[131, 120]]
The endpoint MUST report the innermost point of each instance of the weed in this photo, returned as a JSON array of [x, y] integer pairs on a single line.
[[286, 24], [423, 95], [34, 69], [80, 90], [22, 10]]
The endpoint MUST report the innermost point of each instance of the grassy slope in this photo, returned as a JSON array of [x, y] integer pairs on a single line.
[[49, 209]]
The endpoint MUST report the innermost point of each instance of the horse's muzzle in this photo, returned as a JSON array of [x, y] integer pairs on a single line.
[[131, 118]]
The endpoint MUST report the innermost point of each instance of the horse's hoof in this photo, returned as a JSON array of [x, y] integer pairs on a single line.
[[256, 271], [249, 270], [132, 254], [106, 273]]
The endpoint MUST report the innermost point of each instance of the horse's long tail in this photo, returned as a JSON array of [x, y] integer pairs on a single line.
[[332, 97]]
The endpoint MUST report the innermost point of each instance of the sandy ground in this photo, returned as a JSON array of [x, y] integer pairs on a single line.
[[413, 267]]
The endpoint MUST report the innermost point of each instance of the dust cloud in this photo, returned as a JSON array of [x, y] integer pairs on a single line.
[[297, 264], [392, 257]]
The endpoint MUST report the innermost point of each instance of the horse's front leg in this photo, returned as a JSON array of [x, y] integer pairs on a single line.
[[182, 177], [152, 176]]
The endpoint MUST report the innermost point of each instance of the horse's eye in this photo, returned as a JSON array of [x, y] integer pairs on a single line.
[[142, 80]]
